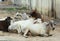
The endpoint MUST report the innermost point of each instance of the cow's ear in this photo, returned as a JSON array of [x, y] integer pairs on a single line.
[[9, 18]]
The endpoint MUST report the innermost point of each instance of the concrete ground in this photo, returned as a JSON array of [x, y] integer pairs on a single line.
[[6, 36]]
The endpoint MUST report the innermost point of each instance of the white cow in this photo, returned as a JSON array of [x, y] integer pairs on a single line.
[[20, 25], [37, 29]]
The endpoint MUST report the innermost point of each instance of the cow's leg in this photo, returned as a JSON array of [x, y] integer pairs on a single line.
[[44, 35], [25, 33], [49, 34], [18, 32], [29, 33], [19, 29]]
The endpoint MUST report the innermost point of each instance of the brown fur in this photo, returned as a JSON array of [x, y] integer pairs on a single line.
[[36, 14]]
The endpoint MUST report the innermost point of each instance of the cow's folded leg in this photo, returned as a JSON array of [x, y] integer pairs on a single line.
[[25, 33], [49, 34], [46, 35], [19, 31]]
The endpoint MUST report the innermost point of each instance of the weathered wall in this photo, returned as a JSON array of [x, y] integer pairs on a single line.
[[42, 5], [45, 5], [58, 8]]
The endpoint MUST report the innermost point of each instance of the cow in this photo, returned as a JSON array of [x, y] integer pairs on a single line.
[[4, 23]]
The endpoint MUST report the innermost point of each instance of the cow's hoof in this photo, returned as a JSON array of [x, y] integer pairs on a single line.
[[42, 35], [26, 36], [46, 35], [50, 34]]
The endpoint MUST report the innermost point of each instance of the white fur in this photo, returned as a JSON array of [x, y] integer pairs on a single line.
[[21, 16], [36, 29], [25, 16], [20, 24]]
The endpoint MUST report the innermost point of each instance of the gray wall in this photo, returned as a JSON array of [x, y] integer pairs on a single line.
[[43, 5], [58, 8]]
